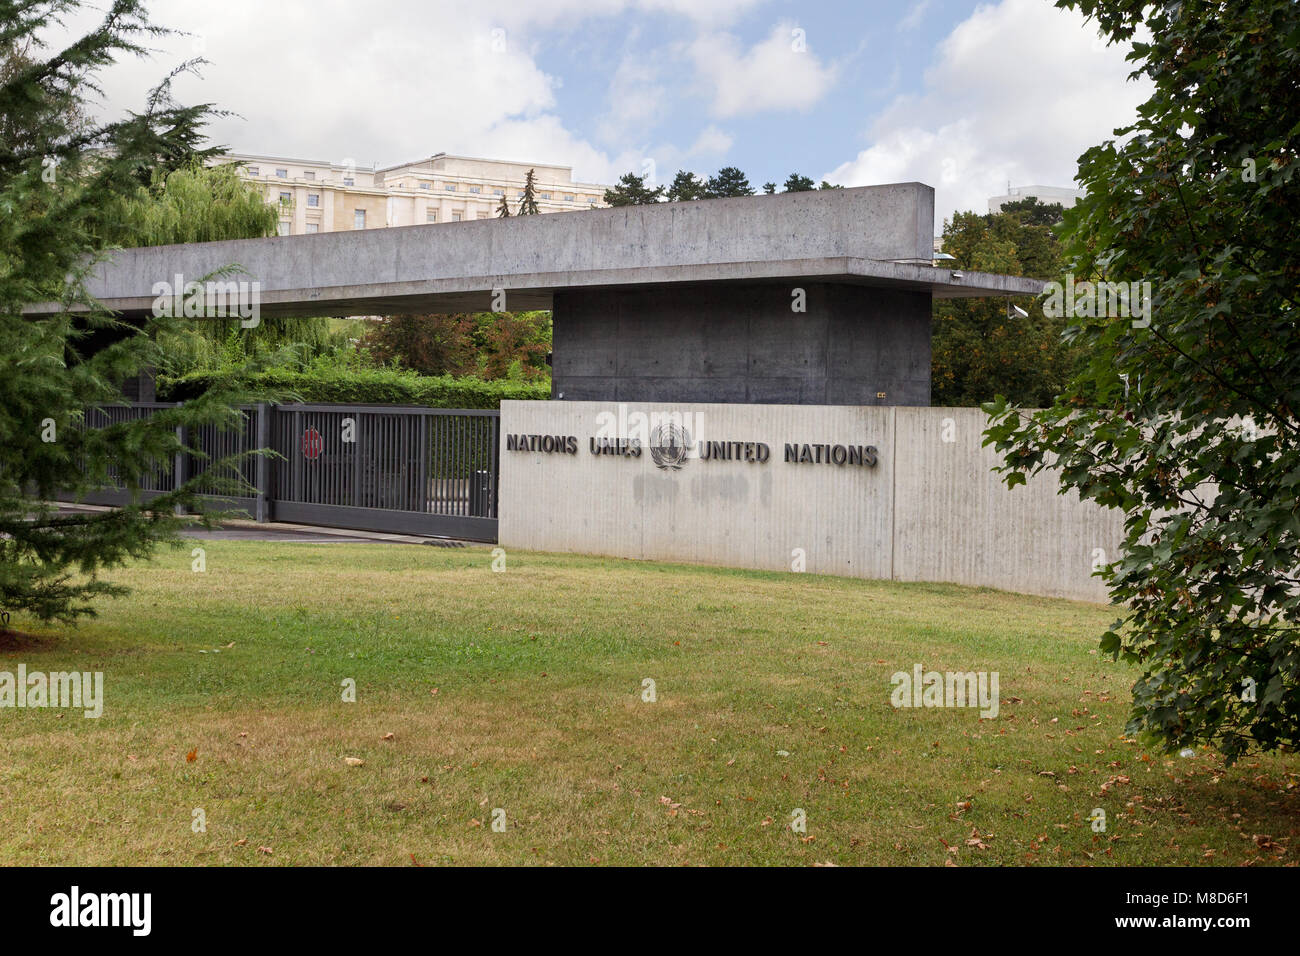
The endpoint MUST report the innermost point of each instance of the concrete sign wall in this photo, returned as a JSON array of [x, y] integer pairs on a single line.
[[872, 492]]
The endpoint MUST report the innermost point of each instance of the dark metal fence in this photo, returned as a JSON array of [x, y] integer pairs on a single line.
[[370, 467]]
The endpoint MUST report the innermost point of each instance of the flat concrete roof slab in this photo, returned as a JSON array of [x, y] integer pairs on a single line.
[[871, 235]]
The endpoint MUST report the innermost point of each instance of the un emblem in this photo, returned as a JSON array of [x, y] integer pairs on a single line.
[[669, 445]]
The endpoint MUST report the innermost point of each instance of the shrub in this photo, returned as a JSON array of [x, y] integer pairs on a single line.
[[363, 386]]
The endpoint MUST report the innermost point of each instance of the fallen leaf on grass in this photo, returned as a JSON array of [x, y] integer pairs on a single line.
[[354, 761], [192, 755]]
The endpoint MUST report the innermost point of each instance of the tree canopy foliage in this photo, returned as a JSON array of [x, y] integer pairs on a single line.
[[63, 179], [982, 348], [1187, 419], [486, 345]]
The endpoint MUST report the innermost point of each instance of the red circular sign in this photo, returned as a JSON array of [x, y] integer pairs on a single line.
[[312, 444]]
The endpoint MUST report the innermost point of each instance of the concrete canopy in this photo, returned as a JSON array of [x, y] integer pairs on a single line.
[[809, 298], [874, 236]]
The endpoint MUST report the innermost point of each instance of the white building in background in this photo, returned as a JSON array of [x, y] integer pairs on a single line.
[[1066, 196], [322, 196]]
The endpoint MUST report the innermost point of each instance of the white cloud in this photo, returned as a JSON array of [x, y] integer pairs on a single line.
[[914, 16], [1018, 91], [393, 80], [711, 142], [780, 73], [637, 101]]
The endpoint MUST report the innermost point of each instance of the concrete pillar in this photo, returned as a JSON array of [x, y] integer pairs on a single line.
[[744, 343]]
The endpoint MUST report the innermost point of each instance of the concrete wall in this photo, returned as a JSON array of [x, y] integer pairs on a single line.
[[930, 510], [852, 345]]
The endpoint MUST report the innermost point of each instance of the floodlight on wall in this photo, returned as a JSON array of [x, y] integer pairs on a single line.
[[956, 276], [944, 257], [1015, 312]]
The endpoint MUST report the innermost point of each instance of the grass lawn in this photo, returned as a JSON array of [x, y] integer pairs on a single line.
[[522, 691]]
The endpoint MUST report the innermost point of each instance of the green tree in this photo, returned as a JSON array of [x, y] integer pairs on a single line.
[[685, 187], [1033, 212], [1186, 417], [428, 344], [769, 189], [528, 201], [632, 191], [729, 181], [982, 348], [60, 183], [503, 207], [489, 345], [195, 203], [513, 345], [794, 183], [826, 185]]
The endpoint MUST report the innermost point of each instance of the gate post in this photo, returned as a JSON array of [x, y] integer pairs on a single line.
[[262, 481], [178, 463]]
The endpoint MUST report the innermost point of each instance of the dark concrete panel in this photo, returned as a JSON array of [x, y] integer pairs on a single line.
[[744, 343]]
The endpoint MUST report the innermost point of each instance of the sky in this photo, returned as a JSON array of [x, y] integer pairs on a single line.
[[963, 96]]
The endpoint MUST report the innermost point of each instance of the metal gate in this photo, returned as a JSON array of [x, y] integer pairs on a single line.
[[400, 469], [415, 470]]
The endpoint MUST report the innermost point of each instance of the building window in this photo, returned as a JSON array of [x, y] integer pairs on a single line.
[[476, 189], [498, 192], [546, 195], [568, 199], [358, 219], [426, 185], [284, 227], [282, 174], [450, 187], [481, 215], [313, 227], [431, 216], [309, 174], [254, 171], [455, 217], [313, 199], [349, 182], [286, 198]]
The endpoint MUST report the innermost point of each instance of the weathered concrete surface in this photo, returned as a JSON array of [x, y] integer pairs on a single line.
[[852, 345], [873, 235], [930, 510], [954, 519], [737, 514]]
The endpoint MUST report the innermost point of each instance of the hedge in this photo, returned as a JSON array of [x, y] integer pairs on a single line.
[[368, 386]]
